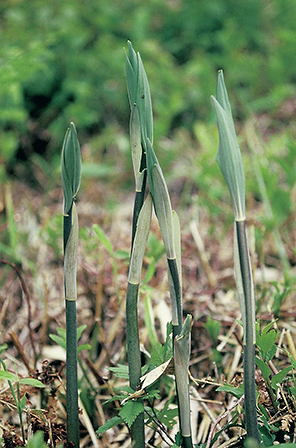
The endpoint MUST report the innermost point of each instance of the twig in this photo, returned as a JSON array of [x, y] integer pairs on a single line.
[[223, 415], [160, 428]]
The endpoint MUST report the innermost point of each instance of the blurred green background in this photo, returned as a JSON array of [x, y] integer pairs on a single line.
[[63, 61]]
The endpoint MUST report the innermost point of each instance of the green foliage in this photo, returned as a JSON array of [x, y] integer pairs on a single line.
[[266, 341], [130, 411], [235, 391], [213, 328], [60, 338], [114, 421], [37, 441], [56, 62]]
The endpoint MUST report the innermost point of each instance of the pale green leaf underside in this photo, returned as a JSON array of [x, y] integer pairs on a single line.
[[230, 161]]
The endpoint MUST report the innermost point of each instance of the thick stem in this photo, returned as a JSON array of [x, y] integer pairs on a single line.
[[139, 200], [71, 374], [249, 346], [187, 440], [177, 287], [134, 358]]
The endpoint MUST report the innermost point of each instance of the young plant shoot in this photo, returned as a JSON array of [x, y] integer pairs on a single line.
[[139, 130], [182, 349], [230, 162], [132, 324], [145, 161], [71, 175]]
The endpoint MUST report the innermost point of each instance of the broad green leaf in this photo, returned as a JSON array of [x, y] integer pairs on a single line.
[[265, 342], [168, 417], [158, 354], [71, 167], [3, 347], [140, 242], [22, 403], [61, 332], [37, 441], [237, 392], [60, 341], [32, 382], [80, 330], [8, 376], [121, 371], [114, 421], [268, 327], [278, 377], [83, 347], [121, 254], [213, 327], [265, 370], [103, 238], [130, 411]]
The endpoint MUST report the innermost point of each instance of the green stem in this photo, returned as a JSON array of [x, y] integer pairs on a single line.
[[139, 200], [187, 440], [134, 358], [177, 287], [71, 355], [71, 374], [249, 345]]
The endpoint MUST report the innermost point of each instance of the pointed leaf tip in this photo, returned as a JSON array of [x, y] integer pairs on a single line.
[[71, 167], [229, 156]]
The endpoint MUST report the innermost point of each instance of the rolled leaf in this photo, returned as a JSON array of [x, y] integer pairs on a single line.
[[136, 147], [173, 295], [229, 156], [70, 259], [71, 167], [163, 210], [182, 347], [139, 93], [140, 242]]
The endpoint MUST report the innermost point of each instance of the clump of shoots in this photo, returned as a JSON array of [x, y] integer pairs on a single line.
[[71, 175], [229, 159], [145, 165]]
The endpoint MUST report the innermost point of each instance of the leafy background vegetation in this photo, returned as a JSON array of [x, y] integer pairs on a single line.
[[62, 62]]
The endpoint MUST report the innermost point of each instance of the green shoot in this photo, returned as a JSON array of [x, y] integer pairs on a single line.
[[71, 174], [182, 349], [230, 162]]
